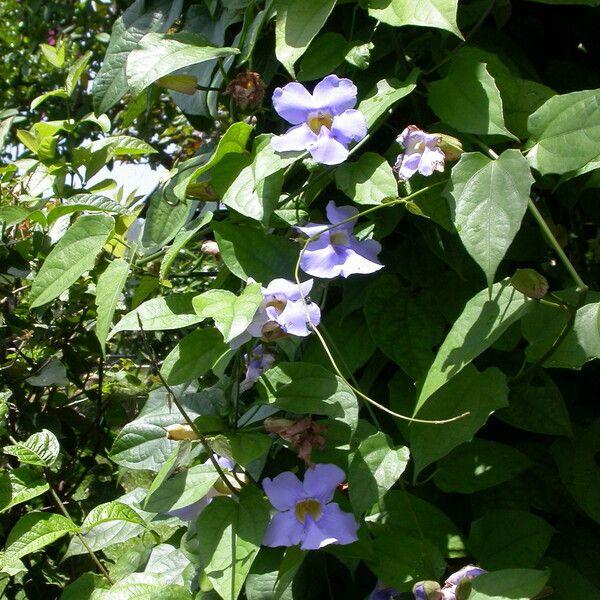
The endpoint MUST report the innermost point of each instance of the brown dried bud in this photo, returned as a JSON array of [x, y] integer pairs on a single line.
[[303, 435], [211, 248], [181, 432], [247, 90]]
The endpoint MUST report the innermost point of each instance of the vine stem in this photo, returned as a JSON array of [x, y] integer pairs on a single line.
[[173, 398], [92, 554], [320, 337]]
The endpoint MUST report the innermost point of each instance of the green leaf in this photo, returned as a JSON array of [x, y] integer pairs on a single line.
[[59, 93], [468, 99], [20, 485], [256, 189], [165, 220], [479, 394], [110, 85], [369, 180], [402, 560], [193, 356], [578, 468], [158, 314], [402, 326], [488, 199], [182, 489], [120, 145], [13, 215], [296, 25], [111, 523], [582, 343], [565, 131], [399, 510], [74, 254], [374, 469], [52, 373], [440, 14], [87, 202], [76, 71], [503, 539], [109, 512], [242, 447], [234, 141], [537, 406], [483, 320], [232, 314], [33, 532], [478, 465], [143, 443], [230, 534], [145, 586], [250, 252], [40, 449], [181, 240], [509, 584], [325, 53], [304, 388], [386, 93], [136, 446], [108, 290], [157, 55]]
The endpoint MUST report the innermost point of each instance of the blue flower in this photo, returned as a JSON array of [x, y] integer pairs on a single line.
[[306, 515], [421, 153], [324, 122], [337, 251]]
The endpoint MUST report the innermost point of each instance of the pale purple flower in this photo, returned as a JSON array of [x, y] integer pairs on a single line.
[[324, 122], [382, 592], [430, 590], [306, 515], [192, 511], [337, 251], [468, 572], [421, 153], [257, 362], [282, 312]]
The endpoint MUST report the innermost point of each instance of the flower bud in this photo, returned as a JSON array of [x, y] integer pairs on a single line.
[[427, 590], [184, 84], [211, 248], [247, 90], [530, 283], [450, 146], [181, 432]]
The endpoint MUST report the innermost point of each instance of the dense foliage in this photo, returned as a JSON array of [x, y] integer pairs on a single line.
[[347, 345]]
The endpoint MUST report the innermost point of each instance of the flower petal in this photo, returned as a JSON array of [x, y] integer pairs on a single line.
[[320, 482], [311, 229], [286, 288], [432, 160], [361, 258], [335, 94], [293, 102], [283, 491], [295, 138], [334, 527], [260, 319], [326, 150], [240, 340], [336, 214], [321, 260], [283, 530], [407, 165], [293, 318], [349, 126]]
